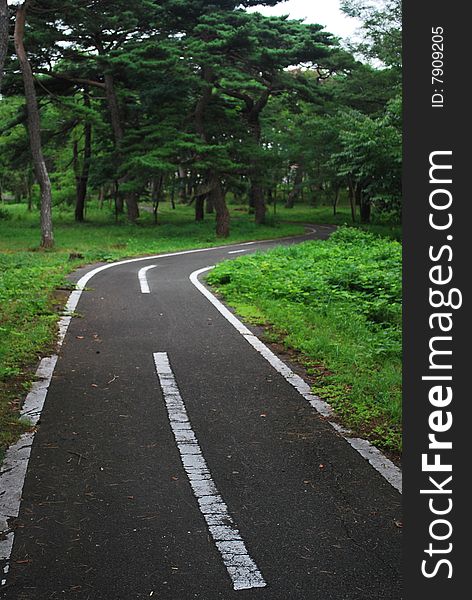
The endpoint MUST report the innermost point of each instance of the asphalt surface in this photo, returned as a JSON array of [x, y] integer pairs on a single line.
[[107, 509]]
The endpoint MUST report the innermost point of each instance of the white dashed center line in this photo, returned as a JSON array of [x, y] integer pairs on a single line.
[[143, 282], [240, 566]]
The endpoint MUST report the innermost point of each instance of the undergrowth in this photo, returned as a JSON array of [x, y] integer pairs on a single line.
[[339, 304]]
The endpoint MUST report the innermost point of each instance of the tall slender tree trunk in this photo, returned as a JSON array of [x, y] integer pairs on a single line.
[[131, 199], [217, 196], [132, 208], [200, 208], [352, 198], [156, 191], [337, 193], [258, 200], [362, 202], [4, 27], [294, 193], [101, 197], [182, 185], [172, 193], [365, 208], [83, 176], [118, 200], [114, 110], [256, 194], [34, 129]]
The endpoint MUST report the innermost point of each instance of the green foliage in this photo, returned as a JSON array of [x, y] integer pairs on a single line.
[[371, 153], [281, 94], [339, 303], [381, 29], [4, 215]]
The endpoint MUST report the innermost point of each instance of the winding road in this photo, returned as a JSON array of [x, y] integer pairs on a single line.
[[175, 460]]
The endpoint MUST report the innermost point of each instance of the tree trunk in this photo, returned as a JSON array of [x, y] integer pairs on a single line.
[[216, 193], [4, 27], [172, 193], [257, 195], [352, 200], [209, 208], [336, 199], [217, 196], [114, 110], [365, 209], [130, 199], [29, 180], [34, 129], [251, 200], [297, 186], [132, 208], [200, 109], [118, 199], [363, 202], [101, 197], [156, 190], [182, 185], [199, 208], [82, 180]]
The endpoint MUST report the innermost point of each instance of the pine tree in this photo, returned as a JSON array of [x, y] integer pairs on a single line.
[[34, 128], [4, 30]]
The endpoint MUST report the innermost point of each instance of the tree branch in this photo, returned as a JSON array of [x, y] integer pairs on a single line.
[[78, 80]]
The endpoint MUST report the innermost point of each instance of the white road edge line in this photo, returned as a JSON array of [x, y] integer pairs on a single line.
[[240, 566], [15, 463], [376, 458], [143, 282], [237, 251]]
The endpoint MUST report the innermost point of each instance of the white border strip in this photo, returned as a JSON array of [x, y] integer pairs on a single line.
[[13, 470], [143, 282], [375, 457], [240, 566]]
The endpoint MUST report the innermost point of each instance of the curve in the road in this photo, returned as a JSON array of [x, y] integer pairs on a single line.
[[15, 466]]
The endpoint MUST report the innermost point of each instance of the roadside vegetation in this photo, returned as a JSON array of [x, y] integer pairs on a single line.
[[338, 303]]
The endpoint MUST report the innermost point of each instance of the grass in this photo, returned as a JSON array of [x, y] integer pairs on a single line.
[[323, 215], [30, 279], [338, 303]]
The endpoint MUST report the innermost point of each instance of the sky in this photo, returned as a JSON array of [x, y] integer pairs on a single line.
[[324, 12]]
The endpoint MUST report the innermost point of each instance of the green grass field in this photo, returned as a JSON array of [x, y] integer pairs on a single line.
[[338, 303]]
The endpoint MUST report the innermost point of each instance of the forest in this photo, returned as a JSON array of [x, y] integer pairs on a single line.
[[182, 123], [195, 102]]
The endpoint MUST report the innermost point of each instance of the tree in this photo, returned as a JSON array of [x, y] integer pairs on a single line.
[[34, 128], [381, 29], [201, 94], [82, 177], [249, 55], [4, 29], [371, 157]]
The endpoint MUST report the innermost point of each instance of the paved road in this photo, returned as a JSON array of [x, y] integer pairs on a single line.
[[131, 460]]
